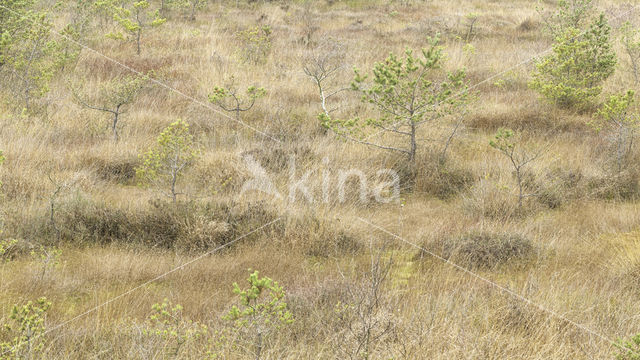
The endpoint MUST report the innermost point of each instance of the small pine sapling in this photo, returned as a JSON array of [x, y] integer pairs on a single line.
[[169, 325], [26, 330], [406, 95], [113, 98], [262, 311], [133, 17], [49, 258], [570, 14], [230, 99], [505, 141], [472, 19], [628, 349], [29, 54], [256, 44], [189, 7], [617, 119]]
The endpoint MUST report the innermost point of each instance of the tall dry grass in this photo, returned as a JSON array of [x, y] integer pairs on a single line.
[[581, 232]]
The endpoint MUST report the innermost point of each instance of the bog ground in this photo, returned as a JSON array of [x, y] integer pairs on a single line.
[[478, 200]]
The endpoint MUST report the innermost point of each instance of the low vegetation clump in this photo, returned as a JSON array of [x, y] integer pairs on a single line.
[[485, 249], [182, 225], [442, 180]]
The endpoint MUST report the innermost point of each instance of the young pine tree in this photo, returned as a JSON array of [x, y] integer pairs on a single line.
[[630, 37], [261, 311], [188, 7], [230, 99], [25, 328], [133, 17], [406, 96], [113, 98], [175, 150], [572, 75], [506, 141], [29, 55], [570, 14], [619, 122]]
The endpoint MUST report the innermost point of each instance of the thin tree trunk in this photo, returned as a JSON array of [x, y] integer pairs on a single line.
[[520, 196], [193, 10], [259, 346], [414, 146], [114, 125], [138, 40]]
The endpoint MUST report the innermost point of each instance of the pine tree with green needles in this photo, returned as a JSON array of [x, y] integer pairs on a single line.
[[189, 7], [407, 94], [573, 74], [29, 54], [262, 310], [26, 327], [230, 99], [133, 17], [174, 152], [570, 14], [618, 119], [630, 38], [113, 98], [628, 349]]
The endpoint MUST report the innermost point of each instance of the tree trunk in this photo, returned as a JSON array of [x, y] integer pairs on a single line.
[[414, 146], [193, 11], [114, 124], [520, 196], [259, 346], [138, 40]]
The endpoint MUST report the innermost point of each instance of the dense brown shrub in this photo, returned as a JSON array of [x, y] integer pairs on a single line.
[[527, 25], [119, 170], [622, 186], [277, 158], [483, 249], [442, 180], [184, 225], [559, 186]]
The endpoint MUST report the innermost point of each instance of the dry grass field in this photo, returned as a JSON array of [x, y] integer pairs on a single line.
[[558, 278]]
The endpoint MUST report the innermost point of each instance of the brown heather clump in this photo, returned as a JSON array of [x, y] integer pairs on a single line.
[[80, 228], [484, 250]]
